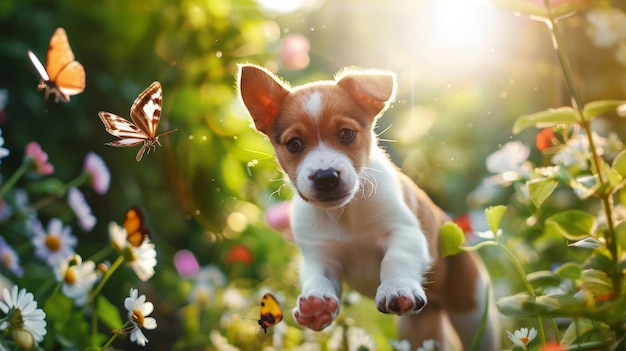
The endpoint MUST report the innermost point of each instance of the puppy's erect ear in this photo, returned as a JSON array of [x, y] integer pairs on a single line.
[[262, 93], [374, 90]]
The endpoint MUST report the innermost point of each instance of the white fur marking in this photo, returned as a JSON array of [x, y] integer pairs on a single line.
[[313, 105]]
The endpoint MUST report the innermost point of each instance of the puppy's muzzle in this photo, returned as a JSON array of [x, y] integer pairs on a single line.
[[325, 180]]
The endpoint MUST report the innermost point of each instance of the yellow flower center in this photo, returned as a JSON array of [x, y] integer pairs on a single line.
[[70, 276], [138, 317], [6, 260], [53, 243], [525, 340]]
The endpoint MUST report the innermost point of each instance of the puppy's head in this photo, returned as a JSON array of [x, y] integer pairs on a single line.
[[321, 131]]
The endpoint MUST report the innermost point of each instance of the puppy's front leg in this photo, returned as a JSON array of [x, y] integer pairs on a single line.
[[318, 303], [403, 268]]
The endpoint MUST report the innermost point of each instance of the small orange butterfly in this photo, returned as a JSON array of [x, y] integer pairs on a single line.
[[134, 225], [63, 76], [146, 114], [271, 314]]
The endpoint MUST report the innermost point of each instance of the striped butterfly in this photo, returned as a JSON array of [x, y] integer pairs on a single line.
[[145, 113], [63, 76]]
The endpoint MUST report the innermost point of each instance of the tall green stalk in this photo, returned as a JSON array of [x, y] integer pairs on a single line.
[[605, 198]]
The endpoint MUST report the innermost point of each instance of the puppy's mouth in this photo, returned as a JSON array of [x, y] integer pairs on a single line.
[[328, 201]]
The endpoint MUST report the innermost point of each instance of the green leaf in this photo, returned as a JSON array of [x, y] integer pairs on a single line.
[[519, 305], [451, 239], [543, 278], [619, 163], [594, 109], [597, 282], [569, 271], [494, 216], [572, 224], [108, 313], [578, 331], [52, 186], [540, 189], [546, 118]]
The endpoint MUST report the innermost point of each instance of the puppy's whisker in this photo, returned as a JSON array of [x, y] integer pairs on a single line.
[[382, 132]]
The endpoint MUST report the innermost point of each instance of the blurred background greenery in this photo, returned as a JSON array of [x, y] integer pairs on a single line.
[[466, 71]]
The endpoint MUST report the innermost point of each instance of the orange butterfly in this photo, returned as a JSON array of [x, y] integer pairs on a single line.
[[146, 114], [134, 225], [271, 314], [63, 76]]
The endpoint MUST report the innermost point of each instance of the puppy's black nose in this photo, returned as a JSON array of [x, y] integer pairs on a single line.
[[326, 179]]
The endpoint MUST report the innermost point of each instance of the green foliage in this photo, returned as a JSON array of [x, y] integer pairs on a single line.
[[547, 118], [451, 238], [572, 224], [494, 216]]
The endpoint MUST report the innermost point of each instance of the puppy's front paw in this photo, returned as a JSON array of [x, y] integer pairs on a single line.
[[400, 297], [316, 311]]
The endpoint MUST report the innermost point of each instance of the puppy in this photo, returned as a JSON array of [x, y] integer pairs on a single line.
[[357, 218]]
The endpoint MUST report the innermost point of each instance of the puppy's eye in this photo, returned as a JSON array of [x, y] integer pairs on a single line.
[[346, 135], [294, 145]]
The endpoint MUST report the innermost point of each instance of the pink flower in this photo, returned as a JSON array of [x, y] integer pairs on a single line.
[[81, 208], [99, 174], [293, 51], [34, 151], [277, 217], [186, 264]]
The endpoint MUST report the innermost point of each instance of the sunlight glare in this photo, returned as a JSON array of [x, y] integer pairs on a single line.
[[459, 24], [287, 6]]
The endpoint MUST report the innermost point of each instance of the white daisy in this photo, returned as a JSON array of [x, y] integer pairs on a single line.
[[428, 345], [510, 162], [118, 237], [78, 278], [359, 340], [81, 208], [523, 336], [27, 322], [577, 151], [209, 279], [141, 259], [138, 311], [99, 174], [400, 345], [55, 245]]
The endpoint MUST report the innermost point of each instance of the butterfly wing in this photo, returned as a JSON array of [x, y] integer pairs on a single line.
[[67, 74], [134, 223], [71, 79], [270, 312], [38, 66], [129, 134], [146, 110]]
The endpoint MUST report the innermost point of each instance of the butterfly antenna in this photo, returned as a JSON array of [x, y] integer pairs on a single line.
[[168, 132]]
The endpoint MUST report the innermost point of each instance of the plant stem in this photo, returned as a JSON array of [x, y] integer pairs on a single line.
[[28, 162], [529, 288], [605, 196], [116, 333], [105, 278], [520, 271], [80, 179]]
